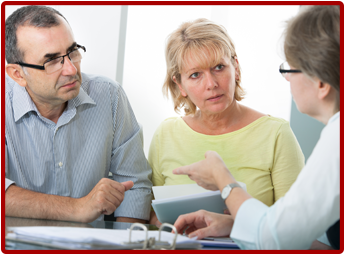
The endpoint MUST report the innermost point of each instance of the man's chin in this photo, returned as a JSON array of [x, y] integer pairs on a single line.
[[72, 93]]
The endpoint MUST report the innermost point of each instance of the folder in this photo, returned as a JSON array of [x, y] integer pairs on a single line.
[[74, 238], [172, 201]]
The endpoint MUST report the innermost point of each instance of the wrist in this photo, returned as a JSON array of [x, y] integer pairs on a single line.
[[75, 209], [224, 179]]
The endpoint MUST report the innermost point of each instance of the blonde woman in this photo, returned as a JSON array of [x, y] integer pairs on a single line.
[[204, 77], [311, 208]]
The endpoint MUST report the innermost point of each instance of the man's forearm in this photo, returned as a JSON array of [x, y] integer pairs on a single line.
[[29, 204], [130, 220]]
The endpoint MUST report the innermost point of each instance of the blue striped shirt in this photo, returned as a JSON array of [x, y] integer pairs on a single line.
[[96, 133]]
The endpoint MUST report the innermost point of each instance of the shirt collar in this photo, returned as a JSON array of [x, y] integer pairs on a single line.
[[334, 117], [22, 102]]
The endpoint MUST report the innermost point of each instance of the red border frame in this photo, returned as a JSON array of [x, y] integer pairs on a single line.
[[6, 3]]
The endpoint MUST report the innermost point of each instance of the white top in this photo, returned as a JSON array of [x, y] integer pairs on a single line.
[[307, 210]]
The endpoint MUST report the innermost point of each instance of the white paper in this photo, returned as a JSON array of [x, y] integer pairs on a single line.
[[171, 199], [74, 237], [164, 192]]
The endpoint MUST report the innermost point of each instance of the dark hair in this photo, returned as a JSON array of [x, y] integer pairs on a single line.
[[312, 43], [36, 16]]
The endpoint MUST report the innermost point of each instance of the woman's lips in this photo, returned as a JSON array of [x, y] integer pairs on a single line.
[[215, 98]]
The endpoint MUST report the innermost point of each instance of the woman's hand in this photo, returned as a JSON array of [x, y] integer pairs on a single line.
[[203, 224], [208, 173]]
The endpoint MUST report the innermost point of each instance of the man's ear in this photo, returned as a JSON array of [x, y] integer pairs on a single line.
[[16, 73], [324, 89], [183, 93]]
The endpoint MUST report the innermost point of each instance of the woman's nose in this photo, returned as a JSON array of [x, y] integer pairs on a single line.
[[210, 81]]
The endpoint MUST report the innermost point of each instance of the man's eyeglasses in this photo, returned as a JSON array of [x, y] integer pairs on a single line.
[[285, 69], [55, 64]]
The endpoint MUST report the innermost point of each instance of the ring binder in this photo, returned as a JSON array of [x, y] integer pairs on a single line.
[[151, 243]]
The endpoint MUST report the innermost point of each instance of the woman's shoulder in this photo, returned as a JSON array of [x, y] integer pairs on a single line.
[[272, 123], [255, 117]]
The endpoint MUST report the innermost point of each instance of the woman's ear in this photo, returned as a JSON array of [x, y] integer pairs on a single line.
[[237, 70], [183, 93], [16, 73], [324, 89]]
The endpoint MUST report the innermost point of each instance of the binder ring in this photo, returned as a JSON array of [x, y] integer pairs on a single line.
[[140, 226], [173, 245]]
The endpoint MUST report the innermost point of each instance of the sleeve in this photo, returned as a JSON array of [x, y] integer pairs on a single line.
[[247, 224], [308, 209], [8, 182], [157, 177], [288, 161], [324, 239], [128, 161]]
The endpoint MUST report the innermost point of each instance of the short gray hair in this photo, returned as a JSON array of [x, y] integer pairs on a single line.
[[312, 43], [36, 16]]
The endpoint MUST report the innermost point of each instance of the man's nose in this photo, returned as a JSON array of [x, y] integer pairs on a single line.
[[68, 67]]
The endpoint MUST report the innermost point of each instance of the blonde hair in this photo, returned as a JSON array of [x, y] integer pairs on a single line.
[[197, 39], [312, 44]]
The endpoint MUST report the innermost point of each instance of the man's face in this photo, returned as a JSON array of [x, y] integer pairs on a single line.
[[39, 45]]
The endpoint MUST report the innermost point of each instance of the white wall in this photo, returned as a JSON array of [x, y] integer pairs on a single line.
[[97, 28], [256, 31]]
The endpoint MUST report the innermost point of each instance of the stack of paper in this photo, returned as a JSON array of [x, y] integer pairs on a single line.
[[173, 201], [91, 238]]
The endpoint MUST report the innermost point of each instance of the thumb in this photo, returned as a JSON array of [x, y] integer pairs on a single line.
[[200, 233], [128, 185]]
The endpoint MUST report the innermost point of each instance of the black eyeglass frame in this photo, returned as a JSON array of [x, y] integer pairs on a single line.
[[282, 71], [42, 67]]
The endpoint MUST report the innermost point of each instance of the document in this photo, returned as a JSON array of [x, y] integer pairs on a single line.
[[221, 242], [92, 238], [175, 200]]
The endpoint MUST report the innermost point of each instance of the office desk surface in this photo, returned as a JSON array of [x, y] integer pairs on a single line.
[[24, 222]]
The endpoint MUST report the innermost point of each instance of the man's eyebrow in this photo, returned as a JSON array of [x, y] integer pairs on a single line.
[[52, 55], [70, 48]]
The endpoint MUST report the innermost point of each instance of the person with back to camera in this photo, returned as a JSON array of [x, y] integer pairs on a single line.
[[204, 77], [65, 130], [311, 207]]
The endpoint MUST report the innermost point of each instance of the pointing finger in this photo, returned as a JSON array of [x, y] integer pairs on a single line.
[[181, 170]]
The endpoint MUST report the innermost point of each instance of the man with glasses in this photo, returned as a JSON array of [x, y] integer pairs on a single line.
[[65, 130]]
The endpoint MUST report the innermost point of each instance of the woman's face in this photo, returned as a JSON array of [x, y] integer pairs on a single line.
[[304, 92], [212, 88]]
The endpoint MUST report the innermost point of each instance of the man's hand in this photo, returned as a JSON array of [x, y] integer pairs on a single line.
[[207, 173], [154, 220], [104, 198], [203, 224]]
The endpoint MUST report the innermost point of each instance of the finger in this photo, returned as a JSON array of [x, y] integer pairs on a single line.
[[184, 220], [182, 170], [128, 185], [200, 233], [190, 229], [106, 192], [226, 211], [108, 208]]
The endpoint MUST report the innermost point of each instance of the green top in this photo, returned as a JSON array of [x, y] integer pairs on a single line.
[[265, 155]]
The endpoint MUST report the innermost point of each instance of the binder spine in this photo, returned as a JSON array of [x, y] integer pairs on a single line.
[[152, 243]]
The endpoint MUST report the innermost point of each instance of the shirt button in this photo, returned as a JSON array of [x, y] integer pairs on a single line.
[[60, 164]]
